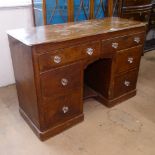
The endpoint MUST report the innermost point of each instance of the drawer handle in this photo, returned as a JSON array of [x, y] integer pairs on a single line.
[[115, 45], [90, 51], [64, 82], [130, 60], [127, 83], [57, 59], [137, 40], [65, 109]]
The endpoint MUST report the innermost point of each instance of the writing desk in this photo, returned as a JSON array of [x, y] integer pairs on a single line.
[[52, 64]]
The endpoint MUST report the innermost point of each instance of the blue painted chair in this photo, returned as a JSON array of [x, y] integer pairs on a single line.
[[62, 11]]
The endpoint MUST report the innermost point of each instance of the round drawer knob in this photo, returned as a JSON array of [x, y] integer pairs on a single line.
[[57, 59], [115, 45], [127, 83], [65, 109], [64, 82], [90, 51], [137, 40], [130, 60]]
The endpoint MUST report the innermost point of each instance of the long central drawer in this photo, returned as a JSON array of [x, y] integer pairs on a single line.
[[67, 55]]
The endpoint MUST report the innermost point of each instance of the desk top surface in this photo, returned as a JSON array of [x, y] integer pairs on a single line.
[[68, 31]]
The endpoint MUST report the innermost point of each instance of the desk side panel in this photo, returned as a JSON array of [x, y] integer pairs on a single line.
[[25, 82]]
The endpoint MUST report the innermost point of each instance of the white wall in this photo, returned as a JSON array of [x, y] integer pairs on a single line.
[[11, 18]]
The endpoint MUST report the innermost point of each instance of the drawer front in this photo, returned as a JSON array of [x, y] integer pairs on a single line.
[[61, 80], [68, 55], [128, 59], [116, 44], [59, 109], [125, 83], [136, 2]]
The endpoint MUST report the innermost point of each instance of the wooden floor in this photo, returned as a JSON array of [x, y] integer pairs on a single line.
[[126, 129]]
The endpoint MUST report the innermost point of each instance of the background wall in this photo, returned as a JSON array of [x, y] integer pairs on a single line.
[[11, 18]]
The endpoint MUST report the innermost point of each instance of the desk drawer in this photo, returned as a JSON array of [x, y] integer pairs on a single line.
[[59, 109], [115, 44], [127, 59], [61, 80], [68, 55], [125, 83]]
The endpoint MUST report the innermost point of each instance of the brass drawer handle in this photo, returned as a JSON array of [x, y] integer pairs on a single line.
[[64, 82], [130, 60], [90, 51], [65, 109], [137, 40], [127, 83], [57, 59], [115, 45]]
